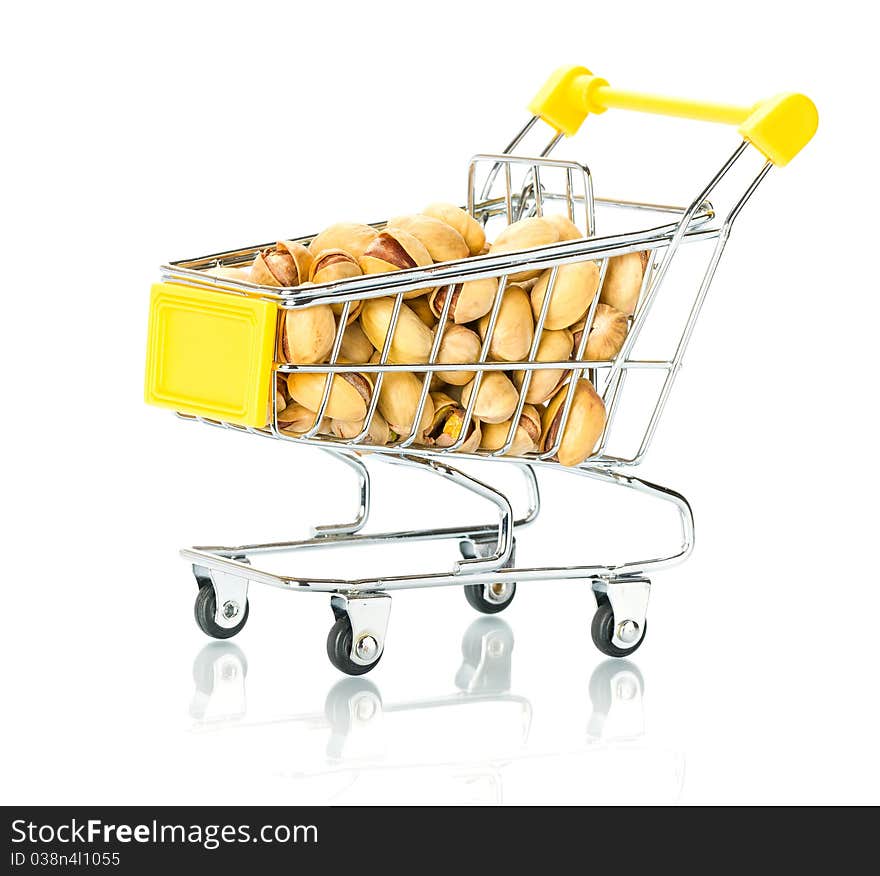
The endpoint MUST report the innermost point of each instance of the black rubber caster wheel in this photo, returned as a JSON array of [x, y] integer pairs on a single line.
[[339, 643], [498, 598], [206, 608], [602, 630]]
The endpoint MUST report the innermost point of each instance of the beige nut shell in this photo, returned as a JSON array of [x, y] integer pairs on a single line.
[[399, 401], [623, 281], [525, 234], [554, 346], [525, 439], [462, 221], [471, 300], [457, 346], [496, 398], [412, 339], [573, 292], [307, 334], [352, 237], [514, 327], [585, 423], [443, 242], [346, 400]]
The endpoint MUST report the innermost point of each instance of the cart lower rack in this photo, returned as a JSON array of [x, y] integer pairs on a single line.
[[220, 342]]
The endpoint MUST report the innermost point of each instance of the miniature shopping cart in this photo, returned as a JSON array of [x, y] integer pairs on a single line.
[[212, 358]]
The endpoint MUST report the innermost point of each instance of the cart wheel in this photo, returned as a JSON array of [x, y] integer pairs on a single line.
[[490, 598], [602, 631], [339, 649], [206, 608]]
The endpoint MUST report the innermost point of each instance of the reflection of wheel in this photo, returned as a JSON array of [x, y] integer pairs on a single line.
[[487, 649], [339, 644], [602, 631], [602, 695], [233, 660], [206, 608], [351, 698], [490, 598]]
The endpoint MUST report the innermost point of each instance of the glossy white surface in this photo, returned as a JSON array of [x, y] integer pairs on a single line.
[[758, 678]]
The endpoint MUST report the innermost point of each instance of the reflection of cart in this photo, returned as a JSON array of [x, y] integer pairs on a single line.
[[195, 314], [473, 745]]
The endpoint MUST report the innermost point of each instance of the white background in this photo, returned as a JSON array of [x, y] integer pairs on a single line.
[[134, 136]]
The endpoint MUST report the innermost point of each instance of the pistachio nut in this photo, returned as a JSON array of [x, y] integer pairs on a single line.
[[445, 428], [443, 242], [572, 294], [412, 339], [554, 346], [351, 237], [496, 398], [349, 393], [458, 346], [394, 250], [470, 230], [421, 307], [607, 334], [525, 439], [296, 419], [623, 281], [525, 234], [399, 401], [583, 428], [332, 265], [281, 397], [514, 327], [470, 300], [379, 432], [228, 272], [286, 265], [355, 346], [307, 334], [566, 228]]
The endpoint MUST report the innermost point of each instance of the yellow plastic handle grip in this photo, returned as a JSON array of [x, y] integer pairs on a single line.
[[779, 127]]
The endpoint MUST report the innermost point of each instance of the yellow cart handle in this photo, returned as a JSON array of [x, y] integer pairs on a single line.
[[779, 127]]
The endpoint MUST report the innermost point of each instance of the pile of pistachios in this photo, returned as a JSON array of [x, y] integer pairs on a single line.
[[443, 232]]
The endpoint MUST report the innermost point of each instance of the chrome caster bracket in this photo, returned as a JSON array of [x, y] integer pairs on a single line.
[[629, 602], [368, 615]]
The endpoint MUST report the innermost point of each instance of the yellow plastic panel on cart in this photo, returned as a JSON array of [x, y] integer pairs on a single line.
[[210, 354]]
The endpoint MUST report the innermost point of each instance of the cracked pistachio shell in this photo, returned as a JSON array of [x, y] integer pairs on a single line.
[[351, 237], [525, 439], [572, 294], [496, 398], [585, 423], [525, 234], [470, 230], [412, 339], [445, 427], [307, 334], [379, 432], [607, 334], [399, 401], [623, 280], [394, 250], [333, 265], [421, 307], [443, 242], [356, 346], [296, 419], [470, 300], [554, 346], [458, 346], [286, 265], [349, 394], [514, 327], [566, 228]]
